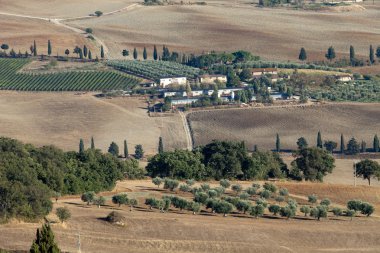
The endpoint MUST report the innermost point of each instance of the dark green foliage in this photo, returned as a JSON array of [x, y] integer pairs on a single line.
[[223, 207], [113, 149], [278, 143], [184, 188], [155, 54], [319, 140], [157, 181], [139, 152], [98, 13], [34, 48], [99, 201], [145, 54], [44, 242], [284, 192], [160, 146], [135, 55], [342, 144], [63, 214], [88, 30], [376, 146], [363, 147], [302, 56], [337, 211], [49, 47], [371, 55], [353, 147], [194, 207], [287, 211], [305, 210], [201, 197], [125, 149], [262, 202], [237, 188], [81, 146], [314, 163], [352, 55], [355, 205], [181, 164], [330, 145], [101, 52], [312, 199], [125, 52], [265, 194], [319, 212], [368, 169], [92, 143], [330, 55], [367, 209], [88, 197], [325, 202], [85, 51], [120, 199], [190, 182], [270, 187], [275, 209], [245, 74], [225, 183], [180, 203], [302, 143]]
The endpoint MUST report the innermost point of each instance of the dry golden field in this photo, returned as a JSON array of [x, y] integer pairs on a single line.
[[62, 119], [259, 126], [180, 231]]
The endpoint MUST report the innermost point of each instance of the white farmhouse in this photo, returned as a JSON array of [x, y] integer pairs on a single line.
[[166, 81], [212, 78]]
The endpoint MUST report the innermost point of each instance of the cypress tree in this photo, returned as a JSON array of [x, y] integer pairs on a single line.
[[378, 52], [125, 149], [319, 140], [85, 53], [81, 146], [135, 54], [89, 55], [34, 48], [352, 54], [113, 149], [44, 241], [255, 148], [155, 55], [363, 147], [145, 56], [101, 52], [342, 148], [278, 143], [49, 47], [92, 143], [160, 146], [376, 147], [371, 55], [302, 56], [330, 55], [80, 54]]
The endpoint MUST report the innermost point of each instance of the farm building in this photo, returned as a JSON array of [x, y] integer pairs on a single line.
[[183, 101], [343, 78], [166, 81], [257, 72], [212, 78]]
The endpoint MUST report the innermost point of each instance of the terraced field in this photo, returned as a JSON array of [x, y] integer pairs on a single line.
[[10, 79]]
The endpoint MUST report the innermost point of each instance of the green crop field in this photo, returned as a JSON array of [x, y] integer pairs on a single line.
[[10, 79], [155, 69]]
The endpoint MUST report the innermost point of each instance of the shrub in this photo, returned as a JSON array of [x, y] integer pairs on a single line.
[[265, 194], [116, 218], [275, 209], [120, 199], [205, 187], [280, 199], [190, 182], [312, 199], [350, 213], [225, 183], [88, 30], [157, 181], [63, 214], [337, 211], [256, 185], [170, 184], [284, 192], [325, 202], [251, 191], [244, 196], [243, 206], [184, 188], [98, 13], [270, 187]]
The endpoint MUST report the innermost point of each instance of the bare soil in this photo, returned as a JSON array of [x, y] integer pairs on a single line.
[[259, 126], [180, 231], [62, 119]]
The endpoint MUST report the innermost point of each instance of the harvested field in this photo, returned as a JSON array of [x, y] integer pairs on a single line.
[[151, 231], [62, 119], [259, 126], [273, 33]]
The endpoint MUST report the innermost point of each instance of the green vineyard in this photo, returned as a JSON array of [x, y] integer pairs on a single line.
[[10, 79], [155, 70]]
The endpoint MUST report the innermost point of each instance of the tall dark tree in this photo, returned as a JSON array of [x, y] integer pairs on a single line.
[[89, 55], [363, 147], [160, 146], [330, 145], [85, 51], [80, 53], [352, 54], [92, 143], [371, 55], [155, 54], [319, 140], [81, 146], [139, 152], [34, 48], [330, 55], [113, 149], [125, 149], [376, 145], [101, 52], [44, 242], [353, 147], [125, 52], [145, 55], [135, 54], [342, 145], [278, 143], [302, 56], [49, 47], [378, 52]]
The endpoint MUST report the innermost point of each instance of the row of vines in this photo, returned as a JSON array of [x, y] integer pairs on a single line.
[[10, 79], [155, 69]]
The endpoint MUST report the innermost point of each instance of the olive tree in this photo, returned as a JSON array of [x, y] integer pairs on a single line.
[[305, 210], [63, 214], [157, 181], [120, 199], [257, 210], [275, 209], [88, 197], [225, 183]]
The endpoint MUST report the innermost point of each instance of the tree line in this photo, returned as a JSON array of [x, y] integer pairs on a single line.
[[29, 176]]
